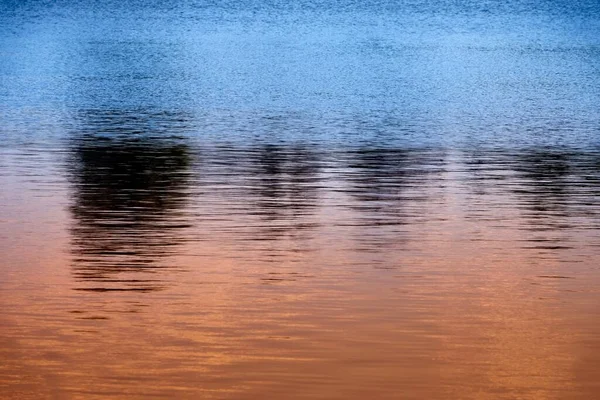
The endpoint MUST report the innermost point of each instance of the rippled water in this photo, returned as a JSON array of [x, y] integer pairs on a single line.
[[299, 200]]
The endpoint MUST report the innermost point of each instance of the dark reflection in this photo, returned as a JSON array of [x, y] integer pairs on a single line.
[[262, 200], [553, 189], [129, 174], [387, 186], [546, 179], [283, 184]]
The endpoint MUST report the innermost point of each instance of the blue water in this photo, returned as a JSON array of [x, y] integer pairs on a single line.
[[513, 73]]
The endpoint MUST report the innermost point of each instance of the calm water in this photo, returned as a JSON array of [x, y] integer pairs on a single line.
[[299, 200]]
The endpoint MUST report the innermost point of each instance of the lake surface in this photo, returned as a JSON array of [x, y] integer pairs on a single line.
[[299, 200]]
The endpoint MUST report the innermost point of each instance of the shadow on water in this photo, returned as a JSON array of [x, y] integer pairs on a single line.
[[129, 175]]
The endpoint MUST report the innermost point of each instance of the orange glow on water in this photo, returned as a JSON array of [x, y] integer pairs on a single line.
[[462, 309]]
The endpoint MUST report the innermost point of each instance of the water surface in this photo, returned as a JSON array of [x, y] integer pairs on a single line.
[[311, 200]]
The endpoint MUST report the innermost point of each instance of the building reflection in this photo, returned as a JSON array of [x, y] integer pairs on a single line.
[[129, 175]]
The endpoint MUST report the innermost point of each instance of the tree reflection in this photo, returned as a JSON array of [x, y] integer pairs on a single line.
[[389, 189], [283, 187], [549, 187], [129, 185], [545, 174], [556, 193]]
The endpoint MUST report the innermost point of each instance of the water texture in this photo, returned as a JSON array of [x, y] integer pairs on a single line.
[[299, 200]]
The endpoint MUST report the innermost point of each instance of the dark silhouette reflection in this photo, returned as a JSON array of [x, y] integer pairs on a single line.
[[388, 186], [283, 188], [130, 176], [553, 190], [545, 192]]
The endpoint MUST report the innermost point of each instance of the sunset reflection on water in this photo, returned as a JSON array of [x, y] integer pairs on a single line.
[[322, 274], [306, 200]]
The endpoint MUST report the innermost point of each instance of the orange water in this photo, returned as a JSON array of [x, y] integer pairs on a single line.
[[381, 274]]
